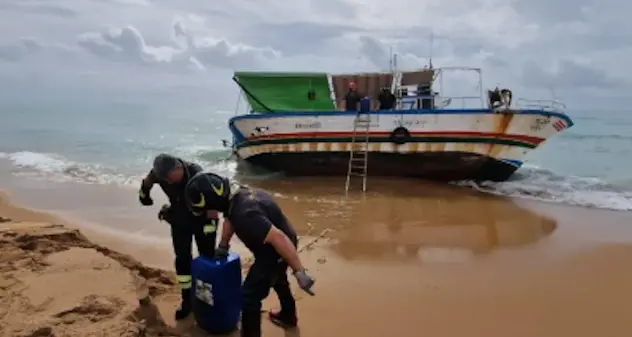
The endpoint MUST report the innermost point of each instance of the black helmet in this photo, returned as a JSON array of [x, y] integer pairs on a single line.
[[164, 164], [207, 191]]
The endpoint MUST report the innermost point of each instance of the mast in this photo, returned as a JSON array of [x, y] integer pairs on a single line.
[[430, 49], [391, 67], [394, 62]]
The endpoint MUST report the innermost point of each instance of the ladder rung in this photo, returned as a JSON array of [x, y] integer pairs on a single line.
[[359, 151]]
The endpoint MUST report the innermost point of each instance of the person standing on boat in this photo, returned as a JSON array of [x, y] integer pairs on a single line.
[[386, 99], [352, 98], [258, 222], [172, 174]]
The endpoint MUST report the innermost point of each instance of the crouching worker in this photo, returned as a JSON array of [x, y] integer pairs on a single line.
[[172, 174], [260, 224]]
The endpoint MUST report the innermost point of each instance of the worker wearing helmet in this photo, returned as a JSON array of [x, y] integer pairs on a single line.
[[260, 224], [172, 174]]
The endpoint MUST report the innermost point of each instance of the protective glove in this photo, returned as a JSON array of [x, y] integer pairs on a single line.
[[221, 252], [163, 214], [304, 281], [145, 199]]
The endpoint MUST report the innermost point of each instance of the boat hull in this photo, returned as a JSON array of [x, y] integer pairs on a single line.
[[438, 145], [442, 166]]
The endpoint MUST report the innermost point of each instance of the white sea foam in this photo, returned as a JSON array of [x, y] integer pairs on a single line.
[[529, 182]]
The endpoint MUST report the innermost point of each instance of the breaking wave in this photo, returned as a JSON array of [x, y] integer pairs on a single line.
[[529, 182]]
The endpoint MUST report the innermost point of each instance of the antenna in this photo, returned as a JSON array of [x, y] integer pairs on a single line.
[[394, 62], [552, 90], [391, 66], [430, 49]]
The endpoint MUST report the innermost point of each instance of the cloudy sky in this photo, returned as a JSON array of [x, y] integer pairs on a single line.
[[181, 51]]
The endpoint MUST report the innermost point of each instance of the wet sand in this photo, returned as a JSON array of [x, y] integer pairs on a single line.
[[421, 259]]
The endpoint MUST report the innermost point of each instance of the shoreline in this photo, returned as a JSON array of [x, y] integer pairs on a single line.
[[515, 268]]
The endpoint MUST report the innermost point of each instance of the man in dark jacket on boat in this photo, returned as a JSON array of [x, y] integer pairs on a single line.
[[386, 99], [172, 174], [258, 221], [352, 98]]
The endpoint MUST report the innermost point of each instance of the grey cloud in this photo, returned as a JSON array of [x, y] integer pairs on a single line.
[[37, 7], [220, 53], [553, 11], [568, 75], [298, 37], [129, 2], [128, 45], [324, 34], [335, 8], [18, 51], [375, 52], [578, 25]]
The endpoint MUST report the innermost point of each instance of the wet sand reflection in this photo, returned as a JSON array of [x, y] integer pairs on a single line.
[[406, 219]]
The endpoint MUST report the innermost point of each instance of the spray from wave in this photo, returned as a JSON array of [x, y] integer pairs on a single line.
[[535, 183], [54, 167]]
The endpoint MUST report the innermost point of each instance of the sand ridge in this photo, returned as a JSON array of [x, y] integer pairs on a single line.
[[55, 282]]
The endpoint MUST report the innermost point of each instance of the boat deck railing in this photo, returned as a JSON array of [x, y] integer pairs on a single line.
[[541, 104], [411, 102]]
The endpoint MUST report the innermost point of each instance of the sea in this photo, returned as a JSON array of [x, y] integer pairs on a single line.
[[65, 158]]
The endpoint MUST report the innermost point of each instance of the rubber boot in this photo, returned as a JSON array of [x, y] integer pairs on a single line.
[[185, 306], [283, 320], [250, 323]]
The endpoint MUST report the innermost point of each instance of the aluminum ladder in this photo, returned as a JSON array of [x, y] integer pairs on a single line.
[[359, 154]]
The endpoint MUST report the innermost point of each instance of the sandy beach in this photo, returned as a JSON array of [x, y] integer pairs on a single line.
[[443, 262]]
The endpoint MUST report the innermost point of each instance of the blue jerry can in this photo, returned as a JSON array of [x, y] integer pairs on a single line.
[[365, 105], [217, 293]]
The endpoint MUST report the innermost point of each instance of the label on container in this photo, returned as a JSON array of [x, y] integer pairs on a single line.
[[204, 292]]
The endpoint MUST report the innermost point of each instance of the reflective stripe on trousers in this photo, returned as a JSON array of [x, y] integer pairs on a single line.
[[209, 228], [184, 281]]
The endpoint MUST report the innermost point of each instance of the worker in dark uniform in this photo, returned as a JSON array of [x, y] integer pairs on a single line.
[[386, 99], [352, 98], [172, 174], [259, 223]]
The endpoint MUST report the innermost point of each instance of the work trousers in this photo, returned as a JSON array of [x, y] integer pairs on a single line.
[[184, 227], [264, 274]]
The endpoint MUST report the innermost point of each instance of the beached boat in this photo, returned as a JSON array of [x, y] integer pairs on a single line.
[[294, 125]]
